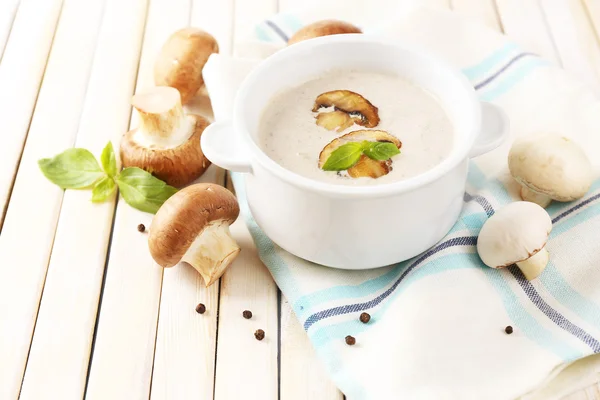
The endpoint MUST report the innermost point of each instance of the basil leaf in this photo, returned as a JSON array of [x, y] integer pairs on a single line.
[[109, 162], [103, 189], [72, 169], [343, 157], [380, 151], [143, 191]]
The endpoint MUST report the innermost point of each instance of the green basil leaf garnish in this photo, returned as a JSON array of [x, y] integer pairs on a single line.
[[143, 191], [348, 154], [380, 151], [343, 157], [72, 169]]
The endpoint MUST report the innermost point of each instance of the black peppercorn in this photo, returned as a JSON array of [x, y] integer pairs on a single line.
[[141, 228], [350, 341], [200, 308], [247, 314], [508, 330], [365, 317], [259, 334]]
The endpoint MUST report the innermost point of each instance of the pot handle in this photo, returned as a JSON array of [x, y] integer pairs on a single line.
[[494, 129], [222, 148]]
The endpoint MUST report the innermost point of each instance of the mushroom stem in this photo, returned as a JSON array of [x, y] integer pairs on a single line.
[[212, 251], [534, 265], [163, 123], [540, 199]]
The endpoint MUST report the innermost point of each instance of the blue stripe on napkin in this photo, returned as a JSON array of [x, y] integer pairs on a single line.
[[278, 31], [551, 313], [477, 71], [568, 297], [353, 308], [523, 320], [503, 68]]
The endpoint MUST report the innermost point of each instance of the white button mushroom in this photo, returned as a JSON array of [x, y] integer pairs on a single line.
[[181, 59], [193, 226], [550, 167], [516, 234], [167, 142]]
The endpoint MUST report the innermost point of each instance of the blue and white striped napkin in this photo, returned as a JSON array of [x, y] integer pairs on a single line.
[[437, 321]]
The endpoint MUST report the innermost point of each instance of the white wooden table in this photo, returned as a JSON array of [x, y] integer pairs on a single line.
[[84, 311]]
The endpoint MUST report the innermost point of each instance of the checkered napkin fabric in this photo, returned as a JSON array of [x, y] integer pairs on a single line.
[[437, 320]]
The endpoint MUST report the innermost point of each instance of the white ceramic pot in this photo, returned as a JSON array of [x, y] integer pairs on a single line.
[[345, 226]]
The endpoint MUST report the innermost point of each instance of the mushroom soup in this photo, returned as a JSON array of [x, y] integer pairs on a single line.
[[356, 128]]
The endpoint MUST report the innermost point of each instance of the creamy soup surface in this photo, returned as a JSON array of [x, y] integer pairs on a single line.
[[289, 135]]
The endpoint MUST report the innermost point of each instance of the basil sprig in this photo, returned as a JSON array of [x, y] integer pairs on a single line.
[[78, 169], [348, 154]]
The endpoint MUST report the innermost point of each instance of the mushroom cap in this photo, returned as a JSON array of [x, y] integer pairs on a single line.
[[350, 103], [514, 233], [551, 165], [184, 216], [323, 28], [181, 59], [176, 166]]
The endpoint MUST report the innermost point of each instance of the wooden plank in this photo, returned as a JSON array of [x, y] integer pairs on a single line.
[[593, 10], [20, 79], [291, 5], [246, 367], [575, 39], [524, 22], [445, 4], [483, 10], [247, 285], [31, 218], [591, 393], [247, 15], [8, 10], [217, 19], [123, 356], [64, 328], [303, 377], [184, 364]]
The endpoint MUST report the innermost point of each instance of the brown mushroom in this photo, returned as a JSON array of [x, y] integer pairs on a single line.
[[357, 109], [167, 142], [365, 167], [371, 168], [193, 226], [334, 120], [181, 59], [323, 28]]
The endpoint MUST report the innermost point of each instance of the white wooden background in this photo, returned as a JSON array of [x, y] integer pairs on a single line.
[[84, 311]]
